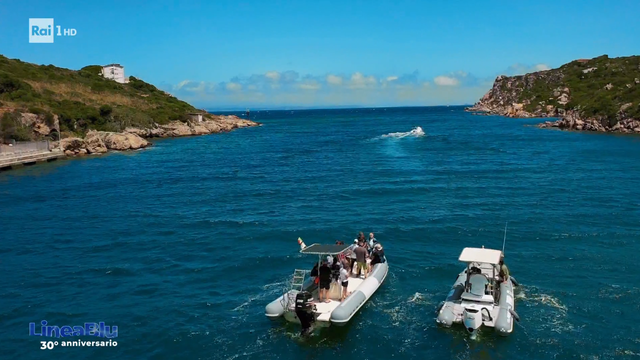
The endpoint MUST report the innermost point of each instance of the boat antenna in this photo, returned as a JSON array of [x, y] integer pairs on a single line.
[[504, 240]]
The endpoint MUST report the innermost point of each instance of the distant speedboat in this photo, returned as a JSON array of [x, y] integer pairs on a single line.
[[297, 303], [415, 132], [477, 297]]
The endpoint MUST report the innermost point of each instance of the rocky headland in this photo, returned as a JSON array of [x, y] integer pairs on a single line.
[[93, 114], [600, 94]]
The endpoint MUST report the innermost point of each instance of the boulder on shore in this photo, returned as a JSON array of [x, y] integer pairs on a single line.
[[94, 144], [121, 141], [99, 142]]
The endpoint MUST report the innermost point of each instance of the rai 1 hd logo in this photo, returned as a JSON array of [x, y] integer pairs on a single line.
[[43, 31]]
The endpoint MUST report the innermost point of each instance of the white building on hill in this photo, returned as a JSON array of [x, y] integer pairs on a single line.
[[115, 72]]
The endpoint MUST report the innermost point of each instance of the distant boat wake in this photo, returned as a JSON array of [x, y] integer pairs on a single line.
[[416, 132]]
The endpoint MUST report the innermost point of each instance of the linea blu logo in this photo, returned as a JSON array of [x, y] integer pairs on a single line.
[[42, 30], [89, 329]]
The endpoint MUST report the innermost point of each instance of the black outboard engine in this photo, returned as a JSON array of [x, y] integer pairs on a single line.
[[304, 311]]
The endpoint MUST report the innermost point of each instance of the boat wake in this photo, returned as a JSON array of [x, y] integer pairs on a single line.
[[416, 132], [269, 290], [554, 318]]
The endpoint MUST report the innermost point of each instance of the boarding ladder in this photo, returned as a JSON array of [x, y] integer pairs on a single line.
[[297, 283]]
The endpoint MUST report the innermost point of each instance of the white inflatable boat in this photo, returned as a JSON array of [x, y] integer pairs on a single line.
[[478, 296], [299, 302]]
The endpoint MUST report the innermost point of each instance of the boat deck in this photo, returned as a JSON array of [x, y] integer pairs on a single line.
[[324, 309]]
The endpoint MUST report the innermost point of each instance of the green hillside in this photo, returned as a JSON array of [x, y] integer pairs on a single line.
[[83, 100], [597, 88]]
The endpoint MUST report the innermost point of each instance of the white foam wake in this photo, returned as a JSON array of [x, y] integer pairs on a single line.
[[416, 132]]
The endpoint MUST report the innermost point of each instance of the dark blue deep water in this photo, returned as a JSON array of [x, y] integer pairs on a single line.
[[182, 245]]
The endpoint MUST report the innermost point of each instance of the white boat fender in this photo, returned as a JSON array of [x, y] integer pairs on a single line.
[[515, 315], [514, 281], [301, 243]]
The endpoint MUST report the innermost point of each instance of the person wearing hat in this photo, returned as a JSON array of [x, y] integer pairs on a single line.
[[377, 257]]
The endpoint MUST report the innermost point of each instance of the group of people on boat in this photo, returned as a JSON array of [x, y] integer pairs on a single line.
[[362, 255]]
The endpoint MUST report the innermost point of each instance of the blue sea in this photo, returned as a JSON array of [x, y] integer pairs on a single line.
[[183, 244]]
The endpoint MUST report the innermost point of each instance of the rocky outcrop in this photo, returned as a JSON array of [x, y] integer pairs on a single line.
[[98, 142], [95, 144], [508, 97], [572, 120], [73, 146], [593, 95], [214, 124]]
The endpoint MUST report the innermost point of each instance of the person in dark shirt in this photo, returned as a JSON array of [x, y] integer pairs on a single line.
[[335, 269], [324, 274], [377, 257]]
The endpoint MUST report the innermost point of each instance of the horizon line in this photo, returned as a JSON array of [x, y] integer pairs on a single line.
[[346, 107]]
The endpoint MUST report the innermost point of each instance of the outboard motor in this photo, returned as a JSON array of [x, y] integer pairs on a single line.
[[472, 320], [305, 312]]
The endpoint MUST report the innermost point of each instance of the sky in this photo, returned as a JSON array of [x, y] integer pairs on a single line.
[[238, 54]]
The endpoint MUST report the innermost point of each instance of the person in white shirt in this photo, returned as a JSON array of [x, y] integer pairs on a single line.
[[372, 242], [344, 281]]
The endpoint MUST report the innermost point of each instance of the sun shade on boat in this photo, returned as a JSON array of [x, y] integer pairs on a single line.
[[319, 249], [489, 256]]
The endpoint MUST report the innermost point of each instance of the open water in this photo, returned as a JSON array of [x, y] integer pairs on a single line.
[[183, 244]]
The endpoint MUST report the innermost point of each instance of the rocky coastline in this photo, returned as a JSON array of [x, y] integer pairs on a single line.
[[100, 142], [568, 119], [582, 95]]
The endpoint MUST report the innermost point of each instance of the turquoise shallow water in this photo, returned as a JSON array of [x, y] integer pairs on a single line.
[[182, 245]]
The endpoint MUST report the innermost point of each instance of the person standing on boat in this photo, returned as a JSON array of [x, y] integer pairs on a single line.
[[324, 274], [344, 281], [351, 255], [361, 259], [372, 243], [504, 270], [377, 257]]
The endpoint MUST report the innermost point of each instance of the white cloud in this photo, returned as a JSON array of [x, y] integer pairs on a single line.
[[334, 80], [446, 81], [359, 81], [273, 75], [333, 89], [232, 86], [182, 84]]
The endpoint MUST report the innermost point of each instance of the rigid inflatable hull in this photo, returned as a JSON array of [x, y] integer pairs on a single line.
[[350, 306], [450, 312]]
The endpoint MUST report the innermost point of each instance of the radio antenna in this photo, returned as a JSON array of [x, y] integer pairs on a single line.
[[504, 240]]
